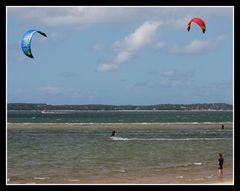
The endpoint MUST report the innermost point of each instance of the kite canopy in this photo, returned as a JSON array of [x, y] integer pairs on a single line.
[[26, 41], [198, 21]]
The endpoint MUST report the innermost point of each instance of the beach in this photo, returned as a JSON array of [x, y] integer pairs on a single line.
[[120, 125], [142, 153]]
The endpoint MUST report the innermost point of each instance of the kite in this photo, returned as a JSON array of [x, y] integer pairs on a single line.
[[199, 21], [26, 41]]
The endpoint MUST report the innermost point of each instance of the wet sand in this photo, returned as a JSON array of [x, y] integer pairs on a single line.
[[118, 125]]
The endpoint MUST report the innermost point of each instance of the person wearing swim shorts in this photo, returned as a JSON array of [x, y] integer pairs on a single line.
[[220, 163]]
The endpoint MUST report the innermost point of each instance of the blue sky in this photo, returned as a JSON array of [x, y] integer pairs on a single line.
[[120, 55]]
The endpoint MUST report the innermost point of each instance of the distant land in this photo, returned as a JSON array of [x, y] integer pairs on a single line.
[[101, 107]]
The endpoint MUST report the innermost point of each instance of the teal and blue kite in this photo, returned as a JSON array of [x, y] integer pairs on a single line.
[[26, 41]]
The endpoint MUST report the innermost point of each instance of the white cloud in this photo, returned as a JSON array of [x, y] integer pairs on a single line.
[[107, 67], [76, 15], [145, 35], [62, 16], [165, 18], [193, 47], [196, 46], [177, 23], [140, 38], [122, 57]]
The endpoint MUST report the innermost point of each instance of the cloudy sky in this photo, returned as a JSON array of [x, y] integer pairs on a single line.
[[120, 55]]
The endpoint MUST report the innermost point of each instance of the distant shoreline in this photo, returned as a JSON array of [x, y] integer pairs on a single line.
[[106, 107], [193, 110]]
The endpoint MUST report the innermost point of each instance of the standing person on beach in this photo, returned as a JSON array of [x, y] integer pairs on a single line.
[[220, 163]]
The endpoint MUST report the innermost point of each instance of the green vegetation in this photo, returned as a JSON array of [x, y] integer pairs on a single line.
[[99, 107]]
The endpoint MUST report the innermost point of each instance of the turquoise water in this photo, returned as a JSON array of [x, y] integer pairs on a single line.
[[117, 117]]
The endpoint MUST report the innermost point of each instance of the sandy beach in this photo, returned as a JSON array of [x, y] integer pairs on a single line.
[[118, 125]]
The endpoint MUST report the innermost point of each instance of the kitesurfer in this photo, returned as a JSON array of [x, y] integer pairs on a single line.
[[113, 133]]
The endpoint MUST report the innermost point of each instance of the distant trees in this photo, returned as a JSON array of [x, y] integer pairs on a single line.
[[99, 107]]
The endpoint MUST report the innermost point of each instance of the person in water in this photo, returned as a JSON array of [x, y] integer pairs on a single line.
[[220, 163], [222, 126], [113, 133]]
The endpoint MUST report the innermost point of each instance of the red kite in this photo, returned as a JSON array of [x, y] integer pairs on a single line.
[[199, 21]]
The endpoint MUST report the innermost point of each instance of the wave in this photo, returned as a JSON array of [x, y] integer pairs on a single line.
[[130, 123], [197, 163], [73, 180], [188, 164], [41, 178], [184, 165], [166, 139], [120, 139], [55, 112]]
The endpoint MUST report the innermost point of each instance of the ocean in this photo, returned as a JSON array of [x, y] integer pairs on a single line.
[[72, 147]]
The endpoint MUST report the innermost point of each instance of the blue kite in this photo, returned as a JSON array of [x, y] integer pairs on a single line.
[[26, 41]]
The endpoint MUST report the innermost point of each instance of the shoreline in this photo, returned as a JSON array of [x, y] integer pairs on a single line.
[[117, 180], [227, 182], [179, 176], [126, 110], [120, 125]]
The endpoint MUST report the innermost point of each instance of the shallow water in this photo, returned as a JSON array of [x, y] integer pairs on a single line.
[[172, 154]]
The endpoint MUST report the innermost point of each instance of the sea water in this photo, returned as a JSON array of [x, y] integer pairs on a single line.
[[79, 153], [62, 116]]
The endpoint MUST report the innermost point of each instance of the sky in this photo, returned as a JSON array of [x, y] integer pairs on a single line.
[[120, 55]]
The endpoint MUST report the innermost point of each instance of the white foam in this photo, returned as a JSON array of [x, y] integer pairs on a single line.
[[119, 139], [73, 180], [179, 176], [210, 176], [166, 139], [40, 178], [197, 163]]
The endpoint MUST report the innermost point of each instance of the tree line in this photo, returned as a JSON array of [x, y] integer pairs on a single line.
[[99, 107]]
